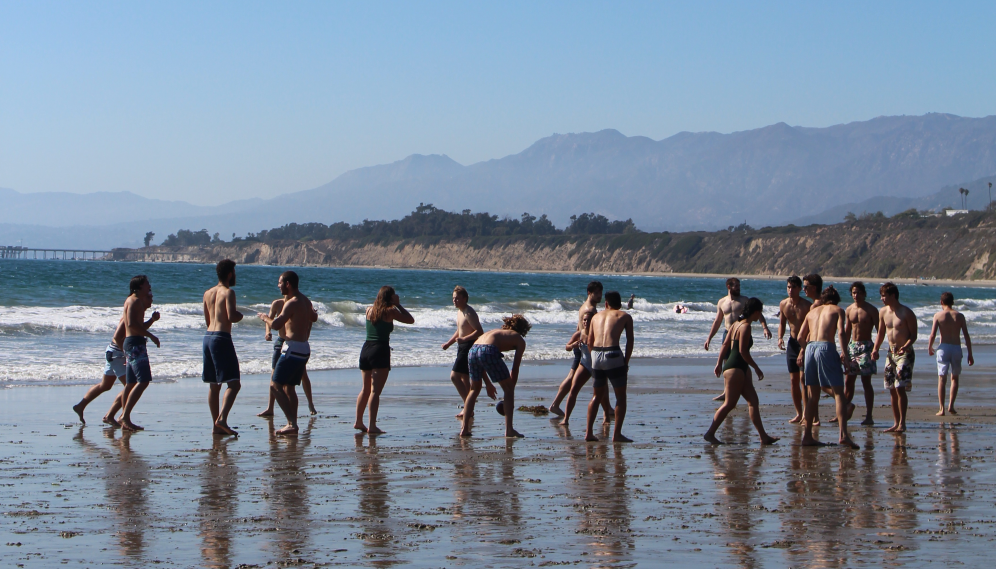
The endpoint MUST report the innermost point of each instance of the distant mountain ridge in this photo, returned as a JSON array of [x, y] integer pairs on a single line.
[[690, 181]]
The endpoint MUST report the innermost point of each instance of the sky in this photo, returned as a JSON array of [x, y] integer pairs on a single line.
[[209, 102]]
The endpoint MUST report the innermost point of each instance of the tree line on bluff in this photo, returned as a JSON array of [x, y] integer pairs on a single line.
[[425, 221]]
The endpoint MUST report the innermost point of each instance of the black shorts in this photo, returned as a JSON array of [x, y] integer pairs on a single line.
[[577, 358], [460, 365], [792, 354], [375, 355]]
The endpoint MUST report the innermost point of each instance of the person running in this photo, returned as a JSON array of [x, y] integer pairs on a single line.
[[793, 311], [574, 346], [727, 310], [734, 362], [583, 373], [899, 323], [468, 330], [275, 307], [608, 362], [114, 369], [221, 363], [375, 356], [487, 365], [295, 320], [138, 372], [824, 324], [951, 325], [861, 318]]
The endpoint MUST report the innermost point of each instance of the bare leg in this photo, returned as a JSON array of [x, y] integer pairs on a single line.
[[795, 380], [562, 392], [362, 399], [734, 379], [896, 414], [812, 404], [866, 385], [131, 399], [221, 419], [596, 401], [468, 408], [286, 396], [462, 383], [581, 377], [608, 414], [903, 405], [617, 436], [849, 385], [379, 379], [268, 412], [105, 384], [844, 410], [508, 390], [940, 394], [754, 410], [116, 405], [306, 387], [954, 394]]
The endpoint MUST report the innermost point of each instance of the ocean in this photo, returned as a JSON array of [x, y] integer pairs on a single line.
[[56, 317]]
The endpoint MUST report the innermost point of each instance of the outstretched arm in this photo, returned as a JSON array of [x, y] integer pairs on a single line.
[[281, 319], [399, 313], [764, 324], [452, 340], [715, 327], [520, 348]]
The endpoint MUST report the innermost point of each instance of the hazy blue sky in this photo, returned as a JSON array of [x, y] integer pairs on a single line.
[[208, 102]]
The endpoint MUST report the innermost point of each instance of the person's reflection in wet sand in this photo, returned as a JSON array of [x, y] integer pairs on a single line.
[[948, 482], [864, 485], [127, 480], [601, 501], [218, 504], [737, 472], [288, 494], [900, 497], [374, 504], [486, 492]]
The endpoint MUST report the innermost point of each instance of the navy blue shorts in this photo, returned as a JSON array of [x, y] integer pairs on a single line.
[[137, 369], [486, 358], [463, 350], [221, 364], [577, 357], [290, 368], [278, 345]]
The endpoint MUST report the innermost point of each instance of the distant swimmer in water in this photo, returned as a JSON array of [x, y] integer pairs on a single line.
[[583, 373], [952, 326], [629, 305], [138, 372], [468, 330], [375, 356], [608, 363], [727, 310], [573, 345], [113, 369], [221, 363], [275, 307], [862, 318], [487, 366], [899, 323], [680, 309], [295, 319], [793, 311], [734, 362]]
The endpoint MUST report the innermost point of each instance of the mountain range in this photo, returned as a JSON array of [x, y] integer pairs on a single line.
[[767, 176]]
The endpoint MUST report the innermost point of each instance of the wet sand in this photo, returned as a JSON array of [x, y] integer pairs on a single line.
[[176, 496]]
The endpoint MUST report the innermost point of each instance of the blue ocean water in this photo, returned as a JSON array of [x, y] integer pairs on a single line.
[[56, 317]]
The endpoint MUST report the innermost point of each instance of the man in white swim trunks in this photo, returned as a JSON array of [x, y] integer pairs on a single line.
[[296, 318], [608, 362], [728, 309], [952, 326]]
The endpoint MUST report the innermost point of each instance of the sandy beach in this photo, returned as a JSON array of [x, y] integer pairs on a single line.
[[175, 496]]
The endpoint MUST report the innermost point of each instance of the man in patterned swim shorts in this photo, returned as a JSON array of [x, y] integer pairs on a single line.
[[861, 319], [899, 323], [486, 365]]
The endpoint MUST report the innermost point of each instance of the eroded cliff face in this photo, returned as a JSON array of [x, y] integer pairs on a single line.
[[941, 248]]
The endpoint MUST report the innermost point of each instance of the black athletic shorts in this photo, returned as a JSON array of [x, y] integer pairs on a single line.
[[460, 365], [792, 354], [375, 355]]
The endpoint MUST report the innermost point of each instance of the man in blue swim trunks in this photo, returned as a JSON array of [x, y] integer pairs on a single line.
[[468, 330], [221, 364], [487, 365], [138, 372], [296, 318]]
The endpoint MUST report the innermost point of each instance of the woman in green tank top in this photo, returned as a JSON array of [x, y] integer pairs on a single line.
[[734, 363], [375, 356]]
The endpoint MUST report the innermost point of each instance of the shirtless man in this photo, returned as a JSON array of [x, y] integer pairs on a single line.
[[275, 307], [793, 311], [812, 287], [468, 330], [295, 319], [728, 309], [608, 362], [862, 317], [899, 323], [486, 364], [582, 354], [951, 324], [221, 363], [138, 372], [114, 369], [822, 326]]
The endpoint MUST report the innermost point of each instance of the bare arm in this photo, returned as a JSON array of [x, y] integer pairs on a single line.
[[207, 312], [233, 314], [968, 340], [629, 338], [803, 340], [782, 321], [764, 324], [843, 335], [520, 348], [476, 323], [745, 340], [848, 330], [880, 337], [573, 342], [911, 323], [266, 325], [452, 340], [284, 316], [724, 352], [399, 313], [933, 336], [715, 327], [152, 320]]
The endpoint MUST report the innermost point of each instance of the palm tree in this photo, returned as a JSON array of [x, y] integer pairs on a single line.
[[990, 195], [963, 193]]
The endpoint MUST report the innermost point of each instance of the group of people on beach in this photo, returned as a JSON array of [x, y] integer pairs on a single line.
[[816, 326], [479, 359]]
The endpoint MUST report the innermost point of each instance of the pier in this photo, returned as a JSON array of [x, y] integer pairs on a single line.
[[150, 255]]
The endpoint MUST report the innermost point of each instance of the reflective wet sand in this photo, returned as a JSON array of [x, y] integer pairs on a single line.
[[175, 496]]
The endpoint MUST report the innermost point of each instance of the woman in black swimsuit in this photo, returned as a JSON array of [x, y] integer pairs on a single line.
[[734, 363]]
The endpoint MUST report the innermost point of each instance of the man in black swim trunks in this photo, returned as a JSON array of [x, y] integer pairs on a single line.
[[468, 330], [221, 364], [608, 362], [793, 311]]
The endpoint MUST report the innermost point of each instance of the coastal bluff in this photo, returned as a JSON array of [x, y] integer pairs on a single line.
[[904, 246]]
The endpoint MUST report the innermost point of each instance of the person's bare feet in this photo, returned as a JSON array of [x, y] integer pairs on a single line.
[[816, 422], [220, 428], [374, 431], [590, 437], [129, 426], [850, 410], [846, 441], [556, 410], [712, 439], [834, 420], [313, 410], [868, 421], [266, 413], [811, 442], [360, 427], [950, 410], [79, 411], [111, 421], [939, 413], [564, 423], [796, 420], [769, 440], [513, 434], [720, 397], [608, 417], [621, 439], [892, 429], [901, 429], [288, 430]]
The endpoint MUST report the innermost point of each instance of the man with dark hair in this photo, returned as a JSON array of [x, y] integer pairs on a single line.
[[608, 362], [900, 324], [221, 363], [582, 355], [861, 318], [728, 309], [487, 365], [793, 311], [822, 326], [468, 330], [952, 325], [138, 372], [295, 318], [812, 286]]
